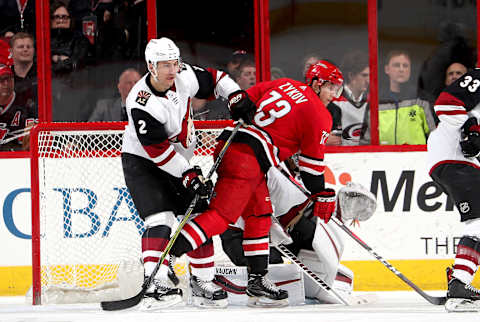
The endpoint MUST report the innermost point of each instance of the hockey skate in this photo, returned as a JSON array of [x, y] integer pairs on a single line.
[[160, 295], [207, 294], [263, 293], [461, 297]]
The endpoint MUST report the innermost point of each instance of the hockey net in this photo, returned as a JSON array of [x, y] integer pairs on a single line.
[[85, 229]]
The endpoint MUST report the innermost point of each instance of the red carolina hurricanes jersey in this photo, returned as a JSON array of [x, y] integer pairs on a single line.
[[453, 107], [290, 118]]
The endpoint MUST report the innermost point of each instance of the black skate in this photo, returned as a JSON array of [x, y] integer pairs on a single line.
[[159, 296], [461, 297], [263, 293], [207, 294]]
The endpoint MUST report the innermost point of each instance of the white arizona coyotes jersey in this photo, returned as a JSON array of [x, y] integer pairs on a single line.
[[452, 108], [160, 126]]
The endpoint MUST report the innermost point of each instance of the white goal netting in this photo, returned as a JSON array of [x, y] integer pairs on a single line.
[[89, 229]]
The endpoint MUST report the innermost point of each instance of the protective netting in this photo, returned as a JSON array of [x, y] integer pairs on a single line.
[[89, 228]]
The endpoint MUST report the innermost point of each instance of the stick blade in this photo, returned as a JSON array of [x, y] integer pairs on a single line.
[[121, 304], [437, 300]]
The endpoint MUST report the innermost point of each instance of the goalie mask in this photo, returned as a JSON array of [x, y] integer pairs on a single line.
[[157, 50], [323, 72]]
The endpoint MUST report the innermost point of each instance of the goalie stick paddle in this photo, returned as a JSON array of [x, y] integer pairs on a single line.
[[432, 299], [134, 300]]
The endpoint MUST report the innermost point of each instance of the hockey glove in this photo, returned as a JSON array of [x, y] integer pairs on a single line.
[[241, 107], [470, 144], [193, 180], [324, 205]]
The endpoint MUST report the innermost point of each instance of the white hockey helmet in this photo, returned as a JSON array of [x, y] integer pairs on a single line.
[[162, 49]]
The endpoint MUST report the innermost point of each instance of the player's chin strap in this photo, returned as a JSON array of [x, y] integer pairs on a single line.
[[432, 299], [132, 301]]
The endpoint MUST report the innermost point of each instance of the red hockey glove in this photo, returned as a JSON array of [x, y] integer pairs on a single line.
[[193, 180], [324, 205], [241, 107]]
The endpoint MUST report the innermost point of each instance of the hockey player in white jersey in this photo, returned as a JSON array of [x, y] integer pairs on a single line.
[[158, 143], [453, 149]]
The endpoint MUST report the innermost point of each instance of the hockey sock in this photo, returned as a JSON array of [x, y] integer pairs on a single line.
[[201, 261], [154, 241], [467, 259], [258, 264], [198, 231]]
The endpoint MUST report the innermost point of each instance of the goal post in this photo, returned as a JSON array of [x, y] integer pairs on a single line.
[[85, 229]]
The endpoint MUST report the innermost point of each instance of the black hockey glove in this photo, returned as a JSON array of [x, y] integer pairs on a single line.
[[470, 143], [241, 107], [193, 180]]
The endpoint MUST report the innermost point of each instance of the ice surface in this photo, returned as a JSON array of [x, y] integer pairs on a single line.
[[389, 306]]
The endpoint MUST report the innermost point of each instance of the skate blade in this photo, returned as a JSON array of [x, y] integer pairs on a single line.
[[151, 304], [202, 302], [462, 305], [262, 301]]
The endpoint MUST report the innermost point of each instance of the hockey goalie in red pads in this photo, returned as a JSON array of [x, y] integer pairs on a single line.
[[282, 117]]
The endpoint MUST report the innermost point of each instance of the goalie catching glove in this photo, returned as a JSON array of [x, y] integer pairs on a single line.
[[241, 107], [324, 205], [471, 138], [355, 202]]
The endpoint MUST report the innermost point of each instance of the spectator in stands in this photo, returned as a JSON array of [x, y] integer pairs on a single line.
[[403, 117], [454, 71], [237, 57], [307, 61], [16, 16], [353, 102], [18, 113], [113, 109], [69, 49], [246, 75], [24, 67]]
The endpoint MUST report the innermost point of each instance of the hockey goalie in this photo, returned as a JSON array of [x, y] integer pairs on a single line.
[[318, 245]]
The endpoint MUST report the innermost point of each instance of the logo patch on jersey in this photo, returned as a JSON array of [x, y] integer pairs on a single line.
[[464, 207], [142, 97], [412, 114]]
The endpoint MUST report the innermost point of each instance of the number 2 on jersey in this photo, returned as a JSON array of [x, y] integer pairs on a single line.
[[264, 118]]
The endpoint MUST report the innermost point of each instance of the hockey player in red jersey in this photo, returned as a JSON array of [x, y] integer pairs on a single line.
[[158, 143], [453, 149], [284, 117]]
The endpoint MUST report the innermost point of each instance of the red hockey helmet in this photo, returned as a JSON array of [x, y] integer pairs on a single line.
[[324, 71]]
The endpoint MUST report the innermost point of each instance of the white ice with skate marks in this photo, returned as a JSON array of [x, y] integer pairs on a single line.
[[390, 306]]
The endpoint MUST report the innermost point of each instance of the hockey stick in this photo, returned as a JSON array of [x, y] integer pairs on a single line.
[[432, 299], [134, 300]]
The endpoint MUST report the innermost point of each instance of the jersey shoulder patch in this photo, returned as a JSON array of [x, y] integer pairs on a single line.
[[142, 97]]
